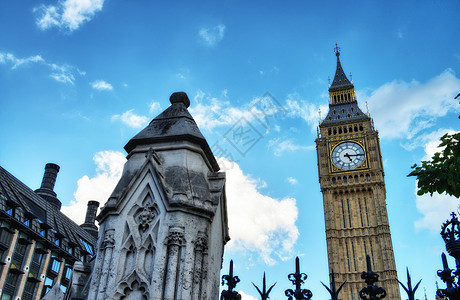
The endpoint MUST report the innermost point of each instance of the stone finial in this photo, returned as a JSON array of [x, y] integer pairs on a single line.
[[180, 97]]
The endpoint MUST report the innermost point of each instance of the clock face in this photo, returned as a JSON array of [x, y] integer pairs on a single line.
[[348, 155]]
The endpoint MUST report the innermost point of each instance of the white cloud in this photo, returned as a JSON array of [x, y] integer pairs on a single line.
[[258, 223], [435, 209], [200, 96], [279, 146], [60, 73], [154, 107], [212, 36], [245, 296], [109, 166], [297, 108], [429, 141], [131, 119], [292, 180], [63, 77], [101, 85], [16, 62], [211, 112], [402, 109], [67, 14]]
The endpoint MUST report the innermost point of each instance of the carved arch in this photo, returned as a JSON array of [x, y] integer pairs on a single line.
[[133, 288], [147, 257]]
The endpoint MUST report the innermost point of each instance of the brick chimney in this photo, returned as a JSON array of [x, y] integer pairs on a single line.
[[46, 191], [90, 218]]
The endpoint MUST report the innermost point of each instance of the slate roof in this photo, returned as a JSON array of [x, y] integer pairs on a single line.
[[173, 124], [22, 196], [341, 113], [340, 81]]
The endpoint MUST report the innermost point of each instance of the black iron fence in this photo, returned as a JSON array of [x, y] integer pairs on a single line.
[[450, 232], [369, 292]]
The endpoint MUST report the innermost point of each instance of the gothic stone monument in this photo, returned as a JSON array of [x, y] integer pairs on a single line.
[[163, 230]]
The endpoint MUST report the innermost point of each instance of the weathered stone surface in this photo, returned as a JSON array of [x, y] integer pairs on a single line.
[[80, 280], [163, 230]]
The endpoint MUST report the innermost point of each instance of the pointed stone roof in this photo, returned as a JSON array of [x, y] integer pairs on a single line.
[[172, 125], [340, 81]]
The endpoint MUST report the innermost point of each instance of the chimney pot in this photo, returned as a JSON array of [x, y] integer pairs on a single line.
[[90, 218], [49, 178], [46, 191]]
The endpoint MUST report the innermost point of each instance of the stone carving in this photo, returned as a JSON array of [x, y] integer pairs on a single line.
[[201, 243], [149, 259], [130, 261], [175, 237], [133, 289], [108, 239], [146, 215]]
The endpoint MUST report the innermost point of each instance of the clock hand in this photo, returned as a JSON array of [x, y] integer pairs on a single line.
[[355, 154], [348, 156]]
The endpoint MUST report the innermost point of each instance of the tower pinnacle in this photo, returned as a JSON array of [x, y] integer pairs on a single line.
[[337, 50], [340, 81]]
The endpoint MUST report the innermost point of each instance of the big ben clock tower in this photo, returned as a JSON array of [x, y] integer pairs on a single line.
[[352, 182]]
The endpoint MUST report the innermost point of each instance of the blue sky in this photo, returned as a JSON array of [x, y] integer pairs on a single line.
[[78, 79]]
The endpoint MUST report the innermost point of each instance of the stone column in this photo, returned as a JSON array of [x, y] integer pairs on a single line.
[[107, 245], [201, 246], [174, 241], [96, 273]]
